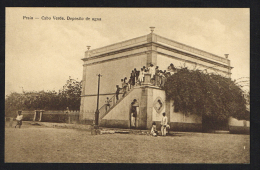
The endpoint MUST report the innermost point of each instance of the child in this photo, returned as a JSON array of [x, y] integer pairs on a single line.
[[153, 130], [19, 119]]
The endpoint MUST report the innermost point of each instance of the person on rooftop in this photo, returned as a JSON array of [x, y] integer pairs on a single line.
[[141, 76]]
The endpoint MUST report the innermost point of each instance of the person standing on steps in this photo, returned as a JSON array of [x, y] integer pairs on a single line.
[[117, 92], [133, 78], [127, 84], [130, 82], [124, 86]]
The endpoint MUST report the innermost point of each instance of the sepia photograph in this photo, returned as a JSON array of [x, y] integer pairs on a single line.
[[127, 85]]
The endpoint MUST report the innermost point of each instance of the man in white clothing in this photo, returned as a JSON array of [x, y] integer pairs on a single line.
[[152, 71], [19, 119], [164, 124]]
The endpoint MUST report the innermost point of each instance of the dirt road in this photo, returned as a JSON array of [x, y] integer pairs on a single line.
[[41, 144]]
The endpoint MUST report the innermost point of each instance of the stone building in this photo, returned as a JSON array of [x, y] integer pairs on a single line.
[[116, 61]]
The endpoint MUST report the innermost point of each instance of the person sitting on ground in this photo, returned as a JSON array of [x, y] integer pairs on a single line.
[[154, 132], [19, 119]]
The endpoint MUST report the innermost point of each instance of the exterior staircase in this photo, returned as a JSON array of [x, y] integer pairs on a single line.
[[103, 110]]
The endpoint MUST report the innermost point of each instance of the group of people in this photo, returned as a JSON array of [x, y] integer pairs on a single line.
[[158, 78], [164, 126]]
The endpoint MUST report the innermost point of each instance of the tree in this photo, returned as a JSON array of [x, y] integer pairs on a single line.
[[208, 95], [69, 96]]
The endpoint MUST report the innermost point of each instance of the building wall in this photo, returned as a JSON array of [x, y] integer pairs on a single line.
[[238, 126], [119, 116], [116, 61], [157, 114], [112, 73], [184, 122]]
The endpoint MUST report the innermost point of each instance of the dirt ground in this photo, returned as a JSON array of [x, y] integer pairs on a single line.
[[41, 144]]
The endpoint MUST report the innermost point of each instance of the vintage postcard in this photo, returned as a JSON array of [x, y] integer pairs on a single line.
[[127, 85]]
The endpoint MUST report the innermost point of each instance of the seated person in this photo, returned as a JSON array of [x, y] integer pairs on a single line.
[[153, 130]]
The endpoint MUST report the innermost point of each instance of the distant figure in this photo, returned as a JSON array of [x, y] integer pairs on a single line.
[[171, 69], [107, 104], [126, 82], [124, 87], [117, 92], [164, 124], [130, 82], [152, 71], [137, 73], [145, 69], [133, 113], [67, 112], [157, 75], [163, 75], [154, 132], [160, 78], [19, 119], [141, 76], [133, 77]]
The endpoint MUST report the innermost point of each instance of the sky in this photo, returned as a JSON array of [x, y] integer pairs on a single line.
[[41, 54]]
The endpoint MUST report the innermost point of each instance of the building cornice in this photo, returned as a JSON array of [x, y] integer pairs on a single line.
[[117, 52], [117, 58], [178, 45], [189, 55], [147, 39], [187, 61], [155, 51]]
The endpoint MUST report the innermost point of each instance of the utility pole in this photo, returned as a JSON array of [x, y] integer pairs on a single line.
[[97, 111]]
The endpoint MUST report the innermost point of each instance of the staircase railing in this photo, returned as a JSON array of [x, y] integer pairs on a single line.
[[104, 109]]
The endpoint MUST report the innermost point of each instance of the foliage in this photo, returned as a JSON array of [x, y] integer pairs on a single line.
[[69, 96], [209, 95]]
